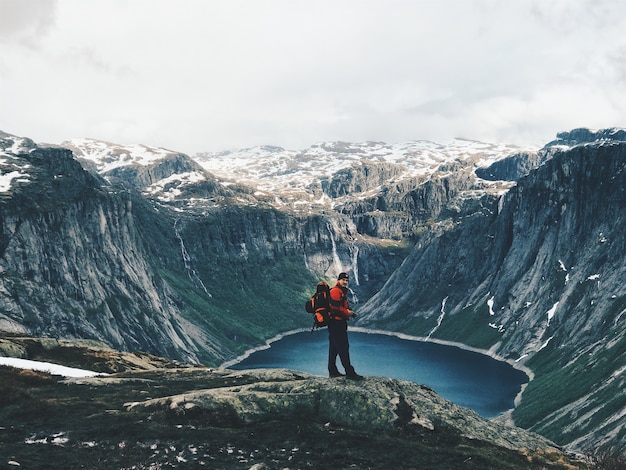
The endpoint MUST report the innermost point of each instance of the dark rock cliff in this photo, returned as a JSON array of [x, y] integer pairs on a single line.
[[584, 135], [536, 279], [511, 168], [73, 262]]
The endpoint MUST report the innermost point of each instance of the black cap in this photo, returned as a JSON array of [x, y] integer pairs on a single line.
[[343, 276]]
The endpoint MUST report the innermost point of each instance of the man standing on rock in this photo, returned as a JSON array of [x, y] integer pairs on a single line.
[[338, 344]]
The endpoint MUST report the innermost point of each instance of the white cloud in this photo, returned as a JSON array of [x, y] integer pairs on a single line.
[[196, 75], [25, 21]]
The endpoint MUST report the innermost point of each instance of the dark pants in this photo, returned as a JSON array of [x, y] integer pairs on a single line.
[[338, 346]]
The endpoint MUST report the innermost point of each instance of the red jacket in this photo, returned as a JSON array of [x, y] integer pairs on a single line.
[[339, 308]]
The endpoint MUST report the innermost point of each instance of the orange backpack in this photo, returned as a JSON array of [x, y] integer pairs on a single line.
[[318, 305]]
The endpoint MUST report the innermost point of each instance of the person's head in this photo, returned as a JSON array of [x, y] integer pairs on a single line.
[[343, 279]]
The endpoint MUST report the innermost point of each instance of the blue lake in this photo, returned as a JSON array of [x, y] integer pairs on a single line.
[[464, 377]]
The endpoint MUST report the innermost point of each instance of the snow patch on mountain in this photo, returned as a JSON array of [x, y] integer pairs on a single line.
[[48, 367], [275, 169], [107, 156], [13, 169], [6, 179], [170, 188]]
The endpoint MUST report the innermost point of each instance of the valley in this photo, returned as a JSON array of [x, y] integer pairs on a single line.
[[518, 252]]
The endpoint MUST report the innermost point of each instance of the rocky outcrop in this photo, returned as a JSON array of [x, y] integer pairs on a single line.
[[511, 168], [142, 176], [399, 210], [376, 405], [361, 177], [583, 135], [81, 354]]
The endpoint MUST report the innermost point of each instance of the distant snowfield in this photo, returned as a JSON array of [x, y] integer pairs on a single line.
[[273, 169], [276, 170], [107, 155], [291, 178], [54, 369]]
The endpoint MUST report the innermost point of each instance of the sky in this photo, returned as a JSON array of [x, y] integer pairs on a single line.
[[213, 75]]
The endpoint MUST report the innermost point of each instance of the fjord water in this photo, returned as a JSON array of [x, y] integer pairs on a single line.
[[466, 378]]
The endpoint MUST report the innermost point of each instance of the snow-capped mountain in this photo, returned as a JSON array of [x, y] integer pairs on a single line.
[[159, 174], [296, 180], [12, 169], [274, 169], [107, 156]]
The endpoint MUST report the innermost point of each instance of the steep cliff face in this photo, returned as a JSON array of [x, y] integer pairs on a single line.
[[512, 168], [360, 178], [400, 209], [536, 278], [73, 262], [147, 257], [83, 259]]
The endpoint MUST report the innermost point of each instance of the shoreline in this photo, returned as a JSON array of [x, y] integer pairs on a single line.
[[267, 345], [485, 352], [422, 339]]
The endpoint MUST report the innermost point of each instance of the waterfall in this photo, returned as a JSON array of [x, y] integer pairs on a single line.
[[337, 266], [354, 299], [354, 251], [187, 262], [439, 319], [501, 203]]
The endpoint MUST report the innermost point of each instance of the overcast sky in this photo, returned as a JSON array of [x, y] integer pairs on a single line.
[[209, 75]]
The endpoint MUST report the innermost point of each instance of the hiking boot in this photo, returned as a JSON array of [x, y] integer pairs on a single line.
[[334, 375], [354, 376]]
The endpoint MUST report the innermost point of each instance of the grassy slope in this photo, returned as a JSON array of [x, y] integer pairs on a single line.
[[247, 300], [566, 381]]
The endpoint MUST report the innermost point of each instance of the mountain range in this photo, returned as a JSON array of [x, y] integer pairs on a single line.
[[517, 252]]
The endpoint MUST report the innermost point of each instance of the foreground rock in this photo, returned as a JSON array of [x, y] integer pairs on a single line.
[[148, 412], [373, 405]]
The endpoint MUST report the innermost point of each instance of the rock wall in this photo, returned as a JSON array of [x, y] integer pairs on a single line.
[[74, 264], [536, 279]]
